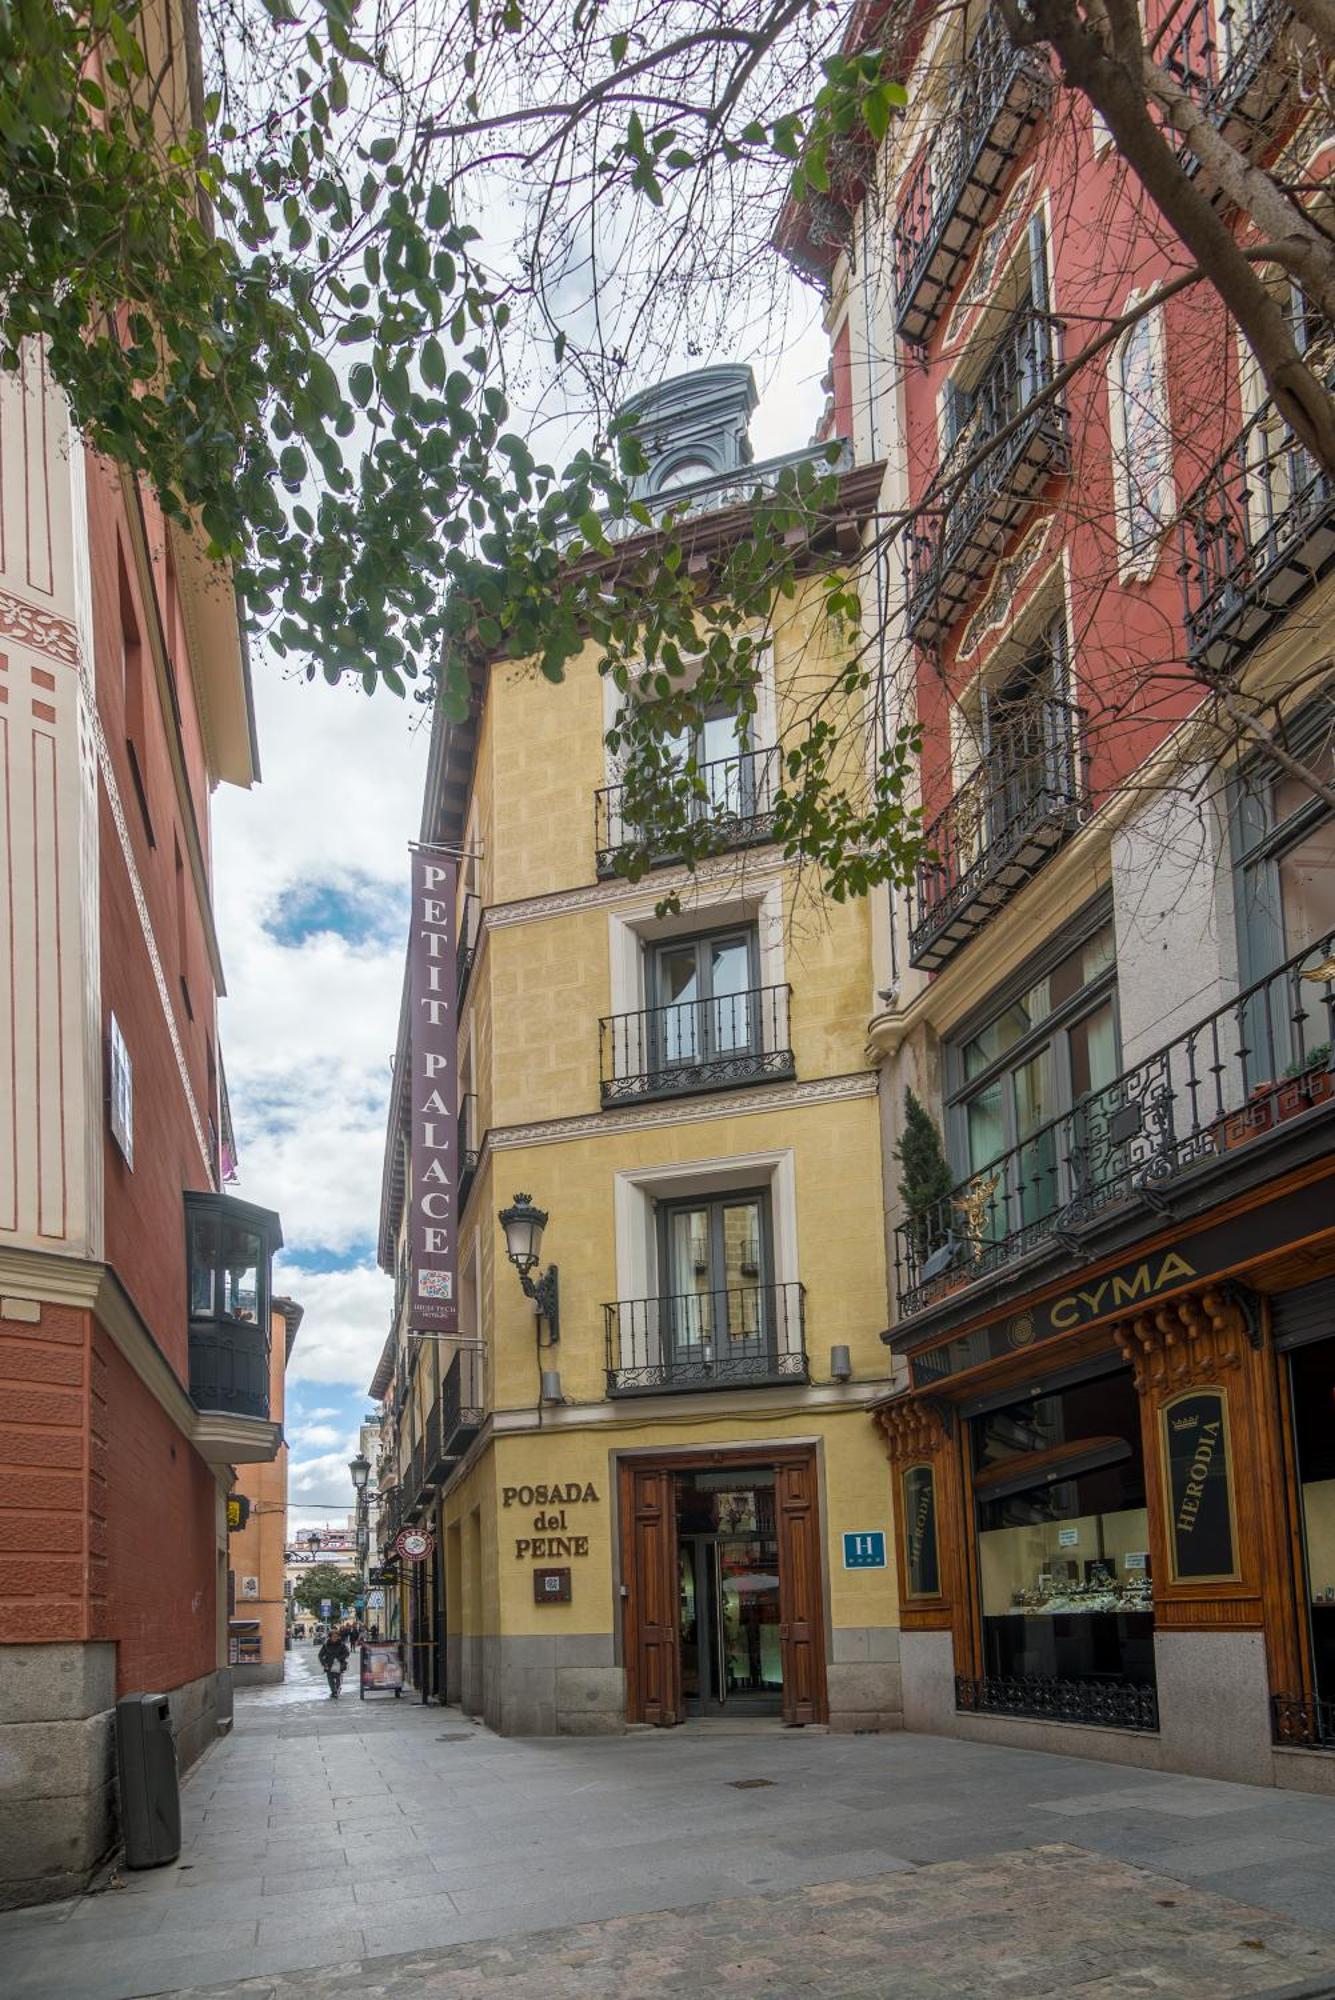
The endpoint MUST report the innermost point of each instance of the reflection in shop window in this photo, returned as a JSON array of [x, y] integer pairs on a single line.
[[1063, 1536]]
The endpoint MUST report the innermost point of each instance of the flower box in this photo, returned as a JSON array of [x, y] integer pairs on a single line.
[[1299, 1093]]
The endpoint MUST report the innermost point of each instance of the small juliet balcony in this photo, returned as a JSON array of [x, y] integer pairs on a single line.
[[230, 1246], [721, 1043], [1220, 1099], [1025, 799], [454, 1419], [732, 797], [1000, 93], [1257, 535], [743, 1337], [984, 505]]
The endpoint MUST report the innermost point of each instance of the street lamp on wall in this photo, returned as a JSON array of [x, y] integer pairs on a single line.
[[360, 1468], [523, 1225]]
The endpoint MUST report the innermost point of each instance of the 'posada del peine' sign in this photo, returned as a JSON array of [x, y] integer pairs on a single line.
[[433, 1300], [551, 1536]]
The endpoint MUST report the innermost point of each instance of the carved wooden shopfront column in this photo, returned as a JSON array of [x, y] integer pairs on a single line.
[[922, 1442], [1214, 1487]]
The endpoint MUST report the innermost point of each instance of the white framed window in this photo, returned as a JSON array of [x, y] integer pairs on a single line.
[[1142, 444], [120, 1091]]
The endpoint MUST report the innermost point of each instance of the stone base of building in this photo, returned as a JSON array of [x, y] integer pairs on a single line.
[[58, 1807], [1214, 1714], [257, 1674], [863, 1679]]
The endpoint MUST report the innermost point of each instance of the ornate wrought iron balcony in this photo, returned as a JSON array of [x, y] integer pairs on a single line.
[[947, 564], [696, 1045], [1000, 93], [469, 1146], [1110, 1704], [470, 929], [732, 796], [460, 1404], [1026, 797], [1229, 57], [1257, 535], [1236, 1078], [718, 490], [739, 1338]]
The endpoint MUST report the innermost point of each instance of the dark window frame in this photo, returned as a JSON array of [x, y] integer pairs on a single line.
[[715, 1203]]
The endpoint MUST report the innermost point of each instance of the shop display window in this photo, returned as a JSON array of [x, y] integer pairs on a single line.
[[1063, 1537], [1313, 1382]]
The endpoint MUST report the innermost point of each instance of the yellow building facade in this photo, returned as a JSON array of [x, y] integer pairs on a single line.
[[257, 1618], [664, 1498]]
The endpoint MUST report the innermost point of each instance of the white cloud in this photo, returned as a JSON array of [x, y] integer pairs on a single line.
[[346, 1319], [308, 1437]]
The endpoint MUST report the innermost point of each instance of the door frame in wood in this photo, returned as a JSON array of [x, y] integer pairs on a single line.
[[714, 1459]]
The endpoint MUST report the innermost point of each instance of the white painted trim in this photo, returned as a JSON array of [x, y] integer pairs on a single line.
[[1137, 566], [636, 1189], [691, 1111], [631, 928]]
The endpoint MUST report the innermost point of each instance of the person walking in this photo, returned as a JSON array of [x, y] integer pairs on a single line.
[[333, 1657]]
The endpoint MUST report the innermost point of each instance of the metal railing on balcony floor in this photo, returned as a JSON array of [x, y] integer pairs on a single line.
[[1229, 57], [1109, 1704], [1304, 1722], [461, 1403], [229, 1367], [468, 1145], [1027, 796], [728, 1339], [732, 796], [1245, 1071], [470, 930], [696, 1045], [999, 96], [732, 489], [946, 564], [1257, 535]]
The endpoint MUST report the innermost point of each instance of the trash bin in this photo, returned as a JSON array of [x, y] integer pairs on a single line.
[[149, 1783]]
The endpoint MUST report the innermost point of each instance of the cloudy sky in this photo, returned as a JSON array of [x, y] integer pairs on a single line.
[[311, 873]]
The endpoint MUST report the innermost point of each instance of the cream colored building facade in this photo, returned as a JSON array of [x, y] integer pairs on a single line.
[[645, 1519]]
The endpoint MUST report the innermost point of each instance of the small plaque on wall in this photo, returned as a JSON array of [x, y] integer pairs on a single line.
[[1202, 1539], [551, 1586], [922, 1563]]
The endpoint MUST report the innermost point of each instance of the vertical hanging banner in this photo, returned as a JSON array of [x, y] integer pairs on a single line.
[[433, 1082]]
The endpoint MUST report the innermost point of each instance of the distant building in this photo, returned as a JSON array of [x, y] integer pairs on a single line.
[[257, 1594]]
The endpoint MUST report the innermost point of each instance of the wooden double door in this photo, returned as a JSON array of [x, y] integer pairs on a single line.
[[662, 1549]]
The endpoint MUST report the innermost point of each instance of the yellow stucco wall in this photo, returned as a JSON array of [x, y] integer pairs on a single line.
[[854, 1490]]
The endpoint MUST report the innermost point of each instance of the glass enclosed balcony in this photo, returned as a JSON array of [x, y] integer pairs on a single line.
[[229, 1254]]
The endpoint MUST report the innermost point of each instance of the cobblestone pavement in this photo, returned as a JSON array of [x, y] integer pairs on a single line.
[[328, 1835]]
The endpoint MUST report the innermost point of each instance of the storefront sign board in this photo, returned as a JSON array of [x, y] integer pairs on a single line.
[[382, 1667], [1202, 1539], [865, 1550], [433, 1303], [1089, 1301]]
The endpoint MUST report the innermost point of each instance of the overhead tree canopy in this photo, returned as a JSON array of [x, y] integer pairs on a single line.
[[302, 306]]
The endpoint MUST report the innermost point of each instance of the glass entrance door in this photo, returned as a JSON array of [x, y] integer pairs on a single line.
[[730, 1654]]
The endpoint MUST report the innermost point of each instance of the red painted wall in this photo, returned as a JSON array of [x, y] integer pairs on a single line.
[[158, 1527], [44, 1569]]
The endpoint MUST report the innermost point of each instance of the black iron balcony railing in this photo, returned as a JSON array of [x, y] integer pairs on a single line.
[[729, 1339], [1107, 1704], [733, 796], [696, 1045], [740, 488], [461, 1403], [470, 929], [229, 1368], [1027, 796], [1000, 93], [1228, 57], [468, 1146], [415, 1479], [1304, 1722], [946, 564], [1257, 535], [1245, 1071]]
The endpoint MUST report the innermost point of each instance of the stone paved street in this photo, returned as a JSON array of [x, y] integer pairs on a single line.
[[322, 1836]]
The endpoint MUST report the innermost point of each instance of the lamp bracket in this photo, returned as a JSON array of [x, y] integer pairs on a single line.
[[545, 1294]]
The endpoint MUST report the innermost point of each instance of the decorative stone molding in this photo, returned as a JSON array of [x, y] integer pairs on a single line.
[[1196, 1338], [1002, 590], [988, 256], [728, 870], [915, 1428], [689, 1111], [54, 637]]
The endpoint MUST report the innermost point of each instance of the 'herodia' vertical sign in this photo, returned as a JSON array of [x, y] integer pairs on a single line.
[[433, 1084]]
